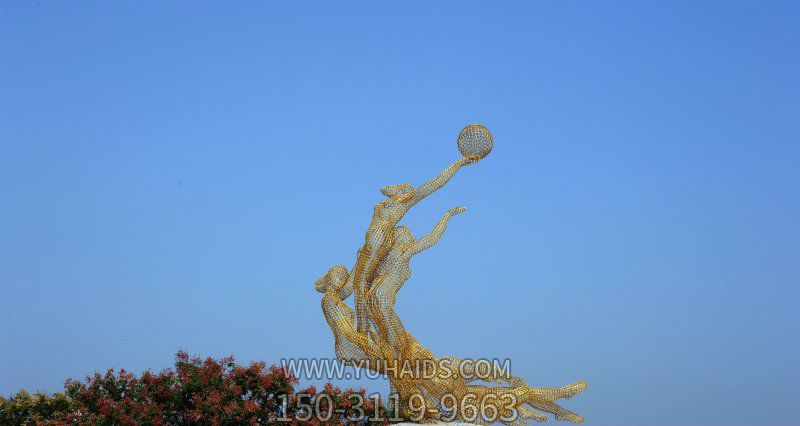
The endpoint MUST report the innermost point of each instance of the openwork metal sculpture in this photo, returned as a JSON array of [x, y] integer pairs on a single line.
[[427, 388]]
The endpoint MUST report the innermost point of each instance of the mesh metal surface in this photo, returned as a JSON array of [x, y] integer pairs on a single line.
[[372, 336], [475, 141]]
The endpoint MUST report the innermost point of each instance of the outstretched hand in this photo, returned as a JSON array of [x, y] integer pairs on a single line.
[[467, 161], [456, 210]]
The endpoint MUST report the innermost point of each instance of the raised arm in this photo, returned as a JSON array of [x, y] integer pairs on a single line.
[[431, 239], [432, 185]]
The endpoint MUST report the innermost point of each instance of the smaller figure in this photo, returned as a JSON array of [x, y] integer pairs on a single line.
[[394, 271]]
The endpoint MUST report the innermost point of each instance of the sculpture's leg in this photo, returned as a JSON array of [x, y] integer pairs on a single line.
[[542, 399], [559, 412], [360, 288], [565, 392], [376, 245], [381, 300], [526, 413], [492, 373]]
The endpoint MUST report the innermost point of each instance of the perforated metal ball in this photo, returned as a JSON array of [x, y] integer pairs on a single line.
[[475, 141]]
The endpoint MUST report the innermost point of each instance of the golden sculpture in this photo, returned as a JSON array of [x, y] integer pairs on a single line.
[[427, 388]]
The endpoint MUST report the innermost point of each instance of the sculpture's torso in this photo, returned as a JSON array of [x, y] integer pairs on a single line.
[[377, 242]]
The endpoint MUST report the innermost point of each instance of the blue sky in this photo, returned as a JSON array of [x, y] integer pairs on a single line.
[[177, 174]]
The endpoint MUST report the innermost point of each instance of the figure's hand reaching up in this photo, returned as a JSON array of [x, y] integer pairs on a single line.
[[456, 210], [464, 161], [429, 240]]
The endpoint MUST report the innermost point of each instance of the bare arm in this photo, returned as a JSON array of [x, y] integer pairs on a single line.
[[431, 239], [432, 185]]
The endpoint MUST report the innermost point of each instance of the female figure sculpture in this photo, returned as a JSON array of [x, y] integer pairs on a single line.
[[380, 233], [375, 338]]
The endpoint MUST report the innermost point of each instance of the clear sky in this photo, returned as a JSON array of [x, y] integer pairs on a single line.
[[177, 174]]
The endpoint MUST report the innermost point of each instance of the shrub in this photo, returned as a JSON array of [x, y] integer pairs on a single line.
[[196, 392]]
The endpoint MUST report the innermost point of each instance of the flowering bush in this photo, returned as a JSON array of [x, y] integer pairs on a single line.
[[197, 392]]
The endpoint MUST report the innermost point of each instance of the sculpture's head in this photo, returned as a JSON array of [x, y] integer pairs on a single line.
[[335, 279], [403, 235], [393, 190]]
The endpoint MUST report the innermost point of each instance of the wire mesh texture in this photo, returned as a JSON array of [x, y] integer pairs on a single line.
[[372, 336]]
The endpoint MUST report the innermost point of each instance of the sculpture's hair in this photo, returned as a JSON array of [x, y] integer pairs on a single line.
[[399, 189], [336, 277]]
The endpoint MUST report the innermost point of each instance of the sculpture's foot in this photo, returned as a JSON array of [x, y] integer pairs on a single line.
[[572, 389]]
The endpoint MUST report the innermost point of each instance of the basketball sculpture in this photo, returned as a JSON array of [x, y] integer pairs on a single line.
[[475, 141], [425, 388]]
